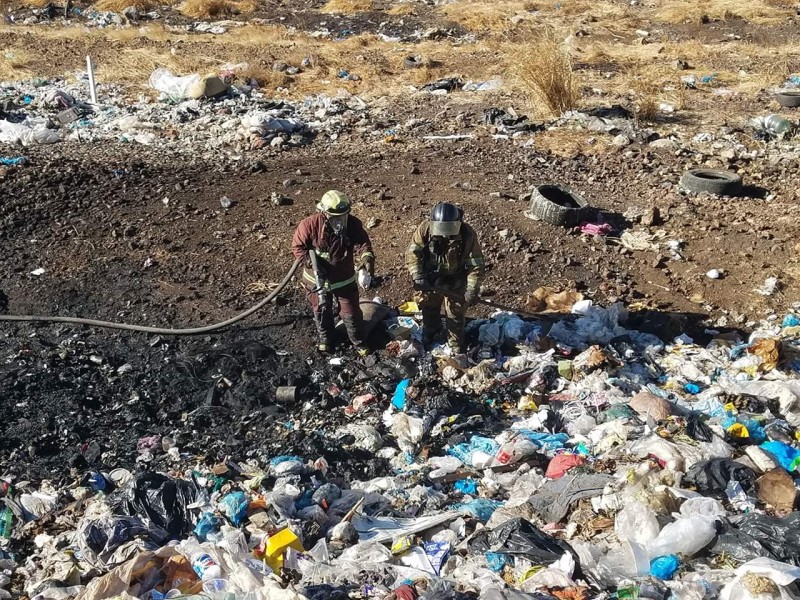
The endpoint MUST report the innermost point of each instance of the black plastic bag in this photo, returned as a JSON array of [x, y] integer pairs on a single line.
[[753, 535], [711, 477], [518, 537], [161, 500], [697, 429]]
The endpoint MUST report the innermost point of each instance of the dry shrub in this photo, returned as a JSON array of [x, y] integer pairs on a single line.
[[487, 16], [205, 9], [347, 7], [120, 5], [544, 68]]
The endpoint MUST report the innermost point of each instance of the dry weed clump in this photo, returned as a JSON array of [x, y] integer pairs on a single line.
[[544, 69], [483, 16], [120, 5], [347, 7], [205, 9]]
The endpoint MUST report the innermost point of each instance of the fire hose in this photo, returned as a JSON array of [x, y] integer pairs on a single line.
[[217, 326], [158, 330]]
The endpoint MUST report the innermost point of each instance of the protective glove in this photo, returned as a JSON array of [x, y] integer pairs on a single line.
[[421, 284], [369, 265], [471, 296]]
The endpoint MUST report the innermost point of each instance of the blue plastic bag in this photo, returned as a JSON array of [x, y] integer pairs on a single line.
[[234, 506], [480, 508], [791, 321], [785, 455], [208, 523], [399, 398], [496, 561], [548, 441], [285, 458], [466, 486], [463, 452], [664, 567]]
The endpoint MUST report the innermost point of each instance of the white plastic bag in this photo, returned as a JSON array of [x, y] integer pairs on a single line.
[[636, 523], [684, 536], [27, 135], [173, 87]]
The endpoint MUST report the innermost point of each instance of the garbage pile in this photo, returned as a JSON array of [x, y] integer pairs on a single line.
[[572, 458], [191, 114]]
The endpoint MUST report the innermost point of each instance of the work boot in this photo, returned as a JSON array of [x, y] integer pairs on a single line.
[[353, 326]]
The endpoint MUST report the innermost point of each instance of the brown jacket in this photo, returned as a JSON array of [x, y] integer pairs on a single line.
[[338, 255], [456, 263]]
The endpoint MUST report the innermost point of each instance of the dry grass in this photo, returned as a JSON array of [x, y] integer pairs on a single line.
[[347, 7], [760, 12], [15, 64], [402, 10], [486, 16], [120, 5], [570, 142], [544, 70], [211, 9]]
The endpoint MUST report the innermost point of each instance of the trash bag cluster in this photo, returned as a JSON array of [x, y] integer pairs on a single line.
[[566, 460]]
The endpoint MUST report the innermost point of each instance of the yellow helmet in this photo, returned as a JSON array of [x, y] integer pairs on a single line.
[[334, 203]]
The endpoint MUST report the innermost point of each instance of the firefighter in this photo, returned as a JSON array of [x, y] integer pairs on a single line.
[[445, 256], [340, 244]]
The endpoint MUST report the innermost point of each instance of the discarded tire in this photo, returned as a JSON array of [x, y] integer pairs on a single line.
[[720, 183], [789, 99], [558, 205]]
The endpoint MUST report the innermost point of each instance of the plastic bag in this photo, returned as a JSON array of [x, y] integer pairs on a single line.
[[711, 477], [480, 508], [636, 523], [22, 133], [173, 87], [665, 567], [162, 500], [518, 537], [684, 536], [703, 507], [754, 535], [234, 506]]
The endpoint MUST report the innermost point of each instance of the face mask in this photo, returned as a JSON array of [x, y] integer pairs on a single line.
[[338, 223]]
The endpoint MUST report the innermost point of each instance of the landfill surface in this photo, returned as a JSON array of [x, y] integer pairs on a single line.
[[631, 431]]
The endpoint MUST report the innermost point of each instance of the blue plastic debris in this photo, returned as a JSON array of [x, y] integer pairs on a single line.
[[399, 398], [664, 567], [480, 508], [208, 523], [12, 161], [786, 455], [791, 321], [496, 561], [692, 388], [234, 506], [285, 458], [466, 486]]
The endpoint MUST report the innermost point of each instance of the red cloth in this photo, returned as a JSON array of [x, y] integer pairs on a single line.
[[563, 463]]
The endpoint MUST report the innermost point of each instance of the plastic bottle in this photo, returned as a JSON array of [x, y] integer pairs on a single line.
[[202, 563]]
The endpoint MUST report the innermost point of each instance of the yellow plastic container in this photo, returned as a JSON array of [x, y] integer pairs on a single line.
[[277, 545]]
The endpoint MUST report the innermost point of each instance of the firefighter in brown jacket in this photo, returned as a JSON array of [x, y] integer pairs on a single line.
[[340, 243], [444, 254]]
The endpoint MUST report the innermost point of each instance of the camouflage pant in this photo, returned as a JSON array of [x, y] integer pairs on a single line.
[[455, 309]]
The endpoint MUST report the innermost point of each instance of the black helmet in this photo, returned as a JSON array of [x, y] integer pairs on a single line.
[[446, 219]]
